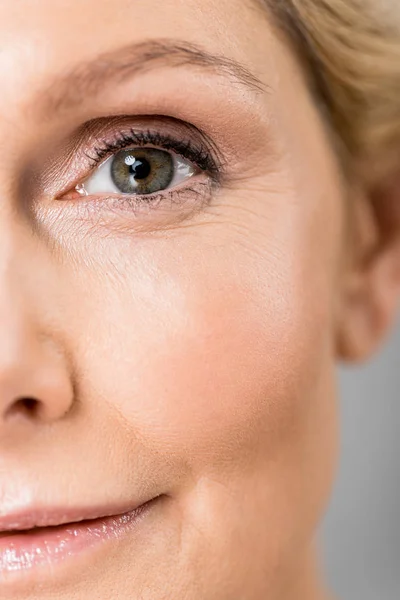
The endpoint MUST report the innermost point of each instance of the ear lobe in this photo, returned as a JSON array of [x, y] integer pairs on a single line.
[[371, 286]]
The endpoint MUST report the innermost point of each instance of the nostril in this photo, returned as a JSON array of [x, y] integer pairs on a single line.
[[27, 407], [29, 404]]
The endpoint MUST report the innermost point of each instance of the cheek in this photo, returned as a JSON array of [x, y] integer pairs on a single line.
[[220, 338], [212, 347]]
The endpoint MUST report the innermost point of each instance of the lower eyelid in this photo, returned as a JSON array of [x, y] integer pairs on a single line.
[[133, 214]]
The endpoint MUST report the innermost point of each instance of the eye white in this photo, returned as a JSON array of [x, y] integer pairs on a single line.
[[101, 182]]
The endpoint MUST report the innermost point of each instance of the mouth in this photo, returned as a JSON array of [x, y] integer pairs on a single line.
[[47, 537]]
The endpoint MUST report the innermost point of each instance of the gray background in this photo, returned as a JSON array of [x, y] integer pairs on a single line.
[[361, 534]]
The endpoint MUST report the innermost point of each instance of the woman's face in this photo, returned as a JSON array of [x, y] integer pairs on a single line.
[[168, 326]]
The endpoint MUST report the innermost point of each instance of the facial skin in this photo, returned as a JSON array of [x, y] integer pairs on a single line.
[[186, 348]]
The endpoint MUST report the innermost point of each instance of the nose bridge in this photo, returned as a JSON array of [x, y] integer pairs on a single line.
[[34, 375]]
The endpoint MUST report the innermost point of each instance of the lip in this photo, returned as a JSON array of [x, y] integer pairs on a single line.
[[46, 537]]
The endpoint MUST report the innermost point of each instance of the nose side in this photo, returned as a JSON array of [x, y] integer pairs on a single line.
[[34, 377], [35, 381]]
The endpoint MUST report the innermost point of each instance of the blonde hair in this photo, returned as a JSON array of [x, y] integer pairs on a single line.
[[352, 50]]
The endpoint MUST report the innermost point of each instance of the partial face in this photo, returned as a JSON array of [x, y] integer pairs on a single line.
[[170, 224]]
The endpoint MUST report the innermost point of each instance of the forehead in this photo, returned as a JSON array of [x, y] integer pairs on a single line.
[[44, 42], [41, 37]]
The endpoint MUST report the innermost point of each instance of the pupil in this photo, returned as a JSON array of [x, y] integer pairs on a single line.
[[140, 169]]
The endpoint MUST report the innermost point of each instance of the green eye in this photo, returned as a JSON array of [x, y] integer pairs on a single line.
[[142, 170], [138, 172]]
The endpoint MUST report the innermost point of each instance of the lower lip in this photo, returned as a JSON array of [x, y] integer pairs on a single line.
[[47, 546]]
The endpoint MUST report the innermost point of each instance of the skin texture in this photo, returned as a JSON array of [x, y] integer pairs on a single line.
[[187, 350]]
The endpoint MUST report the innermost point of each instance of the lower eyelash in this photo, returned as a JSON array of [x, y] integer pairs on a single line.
[[196, 197]]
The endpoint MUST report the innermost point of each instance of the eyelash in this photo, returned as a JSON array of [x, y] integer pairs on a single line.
[[200, 156]]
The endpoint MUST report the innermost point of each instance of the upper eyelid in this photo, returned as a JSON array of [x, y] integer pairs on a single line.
[[142, 138]]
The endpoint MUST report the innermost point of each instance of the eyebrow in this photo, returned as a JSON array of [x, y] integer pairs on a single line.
[[89, 78]]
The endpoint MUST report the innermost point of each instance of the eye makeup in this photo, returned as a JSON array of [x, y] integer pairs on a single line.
[[100, 145], [196, 152]]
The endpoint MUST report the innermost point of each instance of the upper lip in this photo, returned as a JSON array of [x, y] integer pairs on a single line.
[[53, 517]]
